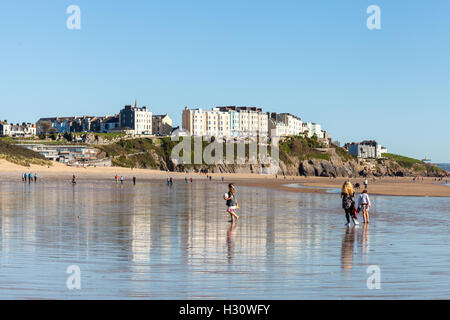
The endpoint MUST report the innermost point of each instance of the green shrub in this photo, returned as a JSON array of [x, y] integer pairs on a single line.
[[20, 155]]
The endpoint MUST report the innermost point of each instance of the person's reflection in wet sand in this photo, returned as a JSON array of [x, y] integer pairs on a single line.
[[348, 244], [365, 240], [230, 242]]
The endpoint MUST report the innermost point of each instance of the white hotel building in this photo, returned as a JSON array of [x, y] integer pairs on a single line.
[[243, 122], [228, 121], [313, 129], [285, 124]]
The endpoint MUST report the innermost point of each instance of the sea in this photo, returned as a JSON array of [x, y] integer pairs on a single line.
[[152, 241], [444, 166]]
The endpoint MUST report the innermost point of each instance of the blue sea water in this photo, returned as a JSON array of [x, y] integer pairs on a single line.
[[444, 166]]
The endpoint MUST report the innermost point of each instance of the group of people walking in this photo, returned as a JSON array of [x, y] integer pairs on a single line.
[[29, 177], [351, 207]]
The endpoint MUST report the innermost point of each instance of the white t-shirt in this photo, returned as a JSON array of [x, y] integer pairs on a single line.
[[363, 199]]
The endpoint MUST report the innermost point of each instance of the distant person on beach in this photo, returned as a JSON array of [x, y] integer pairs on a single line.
[[24, 177], [35, 177], [116, 178], [186, 179], [74, 179], [30, 177], [210, 178], [134, 180], [366, 183], [364, 205], [121, 179], [191, 179], [171, 181], [347, 195], [231, 202]]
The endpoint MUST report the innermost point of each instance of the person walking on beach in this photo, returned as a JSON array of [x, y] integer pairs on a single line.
[[134, 180], [347, 195], [364, 205], [116, 178], [74, 179], [30, 177], [231, 202], [366, 183], [121, 179], [35, 177]]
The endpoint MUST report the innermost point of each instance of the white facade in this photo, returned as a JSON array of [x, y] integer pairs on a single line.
[[225, 122], [365, 149], [278, 129], [286, 123], [18, 130], [143, 121], [5, 128], [313, 129]]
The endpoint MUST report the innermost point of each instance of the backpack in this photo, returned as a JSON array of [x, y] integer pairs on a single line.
[[348, 202]]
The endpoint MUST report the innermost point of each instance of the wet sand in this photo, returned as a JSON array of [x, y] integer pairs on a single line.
[[398, 186], [151, 241]]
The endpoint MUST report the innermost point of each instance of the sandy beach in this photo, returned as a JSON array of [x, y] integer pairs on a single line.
[[396, 186]]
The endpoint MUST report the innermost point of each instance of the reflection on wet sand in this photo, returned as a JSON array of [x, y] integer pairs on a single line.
[[365, 240], [230, 241], [154, 241], [348, 245]]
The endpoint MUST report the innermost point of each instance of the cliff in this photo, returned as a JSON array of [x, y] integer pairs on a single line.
[[298, 156]]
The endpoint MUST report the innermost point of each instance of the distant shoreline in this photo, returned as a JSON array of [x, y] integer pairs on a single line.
[[384, 186]]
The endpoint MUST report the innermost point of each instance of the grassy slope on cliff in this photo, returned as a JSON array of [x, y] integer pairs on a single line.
[[414, 164], [134, 153], [302, 148], [20, 155], [402, 160], [140, 152], [305, 148]]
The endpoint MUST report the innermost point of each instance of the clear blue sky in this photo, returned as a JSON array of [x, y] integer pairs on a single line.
[[315, 59]]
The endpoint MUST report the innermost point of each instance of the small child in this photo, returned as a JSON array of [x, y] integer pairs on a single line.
[[364, 205]]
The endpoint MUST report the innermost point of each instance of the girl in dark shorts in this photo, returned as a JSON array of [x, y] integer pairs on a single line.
[[232, 204]]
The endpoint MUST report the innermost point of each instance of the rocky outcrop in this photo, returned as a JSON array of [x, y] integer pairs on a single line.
[[334, 167], [296, 159]]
